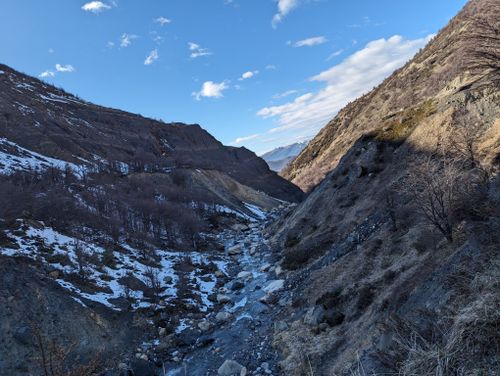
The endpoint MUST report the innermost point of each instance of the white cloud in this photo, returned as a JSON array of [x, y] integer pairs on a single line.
[[152, 57], [51, 51], [334, 54], [285, 94], [59, 69], [65, 68], [271, 67], [344, 82], [246, 138], [284, 7], [126, 39], [110, 44], [47, 74], [309, 42], [197, 51], [95, 6], [247, 75], [162, 20], [211, 89]]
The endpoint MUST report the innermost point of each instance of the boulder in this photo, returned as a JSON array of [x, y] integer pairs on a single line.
[[269, 299], [244, 275], [232, 368], [278, 271], [274, 286], [239, 227], [54, 274], [314, 316], [223, 299], [204, 326], [237, 285], [235, 250], [265, 267], [168, 280], [222, 317]]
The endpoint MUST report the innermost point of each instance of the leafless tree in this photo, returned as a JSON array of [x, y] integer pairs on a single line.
[[434, 187], [466, 132], [81, 260], [483, 40], [154, 282]]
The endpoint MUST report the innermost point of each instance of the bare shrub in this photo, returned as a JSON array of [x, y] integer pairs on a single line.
[[154, 283], [483, 40], [434, 187], [55, 359]]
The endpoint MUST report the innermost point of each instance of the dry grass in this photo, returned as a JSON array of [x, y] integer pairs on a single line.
[[470, 346]]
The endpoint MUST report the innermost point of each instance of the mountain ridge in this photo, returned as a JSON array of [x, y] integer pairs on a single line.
[[439, 62], [278, 158]]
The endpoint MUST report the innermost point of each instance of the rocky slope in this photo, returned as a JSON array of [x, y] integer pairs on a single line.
[[393, 263], [463, 54], [55, 124], [278, 158]]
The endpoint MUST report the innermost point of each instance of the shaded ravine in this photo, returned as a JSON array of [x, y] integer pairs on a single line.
[[241, 329]]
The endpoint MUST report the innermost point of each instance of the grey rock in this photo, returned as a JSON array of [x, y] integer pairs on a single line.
[[237, 285], [223, 299], [235, 250], [314, 316], [232, 368], [269, 299], [274, 286], [204, 326], [223, 317]]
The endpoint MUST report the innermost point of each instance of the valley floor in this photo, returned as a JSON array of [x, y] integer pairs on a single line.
[[240, 331]]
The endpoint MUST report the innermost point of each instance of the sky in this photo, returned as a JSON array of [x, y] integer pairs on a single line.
[[254, 73]]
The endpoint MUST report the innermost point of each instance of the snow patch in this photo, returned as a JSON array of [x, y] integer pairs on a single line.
[[30, 160]]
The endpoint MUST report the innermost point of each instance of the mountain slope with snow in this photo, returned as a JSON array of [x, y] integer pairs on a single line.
[[278, 158]]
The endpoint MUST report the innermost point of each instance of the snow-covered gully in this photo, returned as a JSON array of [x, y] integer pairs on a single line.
[[235, 338]]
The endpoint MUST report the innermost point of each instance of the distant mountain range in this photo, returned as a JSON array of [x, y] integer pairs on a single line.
[[278, 158]]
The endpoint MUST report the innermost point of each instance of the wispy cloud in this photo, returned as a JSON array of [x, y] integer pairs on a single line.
[[284, 8], [65, 68], [344, 82], [163, 20], [152, 57], [271, 67], [285, 94], [47, 74], [126, 39], [247, 75], [211, 89], [246, 138], [309, 42], [334, 54], [95, 6], [198, 51], [59, 69]]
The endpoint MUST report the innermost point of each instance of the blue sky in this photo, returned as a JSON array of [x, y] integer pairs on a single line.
[[254, 73]]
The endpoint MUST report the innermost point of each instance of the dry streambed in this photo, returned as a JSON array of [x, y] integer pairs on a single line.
[[235, 338]]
